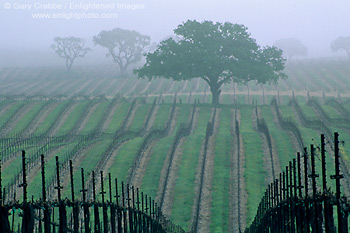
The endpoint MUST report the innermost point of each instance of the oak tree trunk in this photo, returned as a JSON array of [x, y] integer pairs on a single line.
[[215, 92], [122, 69]]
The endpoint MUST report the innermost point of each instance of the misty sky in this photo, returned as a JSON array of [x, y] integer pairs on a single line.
[[315, 22]]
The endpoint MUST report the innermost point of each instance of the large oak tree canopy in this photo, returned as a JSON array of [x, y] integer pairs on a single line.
[[216, 52], [125, 46]]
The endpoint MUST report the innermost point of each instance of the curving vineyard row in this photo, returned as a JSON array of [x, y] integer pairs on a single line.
[[197, 162], [309, 78]]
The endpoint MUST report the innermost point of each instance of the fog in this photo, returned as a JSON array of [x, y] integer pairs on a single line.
[[314, 22]]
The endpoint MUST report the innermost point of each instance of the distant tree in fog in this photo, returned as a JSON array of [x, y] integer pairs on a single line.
[[341, 43], [124, 46], [70, 48], [215, 52], [291, 47]]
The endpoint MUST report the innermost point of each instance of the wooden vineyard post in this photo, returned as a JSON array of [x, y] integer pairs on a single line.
[[138, 210], [85, 205], [129, 208], [47, 228], [124, 209], [58, 187], [291, 198], [24, 184], [285, 215], [281, 204], [110, 187], [272, 213], [337, 177], [119, 212], [316, 225], [111, 205], [104, 207], [275, 215], [295, 179], [71, 179], [300, 186], [307, 214], [328, 208], [288, 217], [62, 208], [269, 222], [43, 178], [143, 211], [274, 205], [147, 217], [323, 160], [2, 196], [75, 207], [301, 213], [4, 222], [295, 196], [134, 213], [153, 213], [96, 212], [28, 215]]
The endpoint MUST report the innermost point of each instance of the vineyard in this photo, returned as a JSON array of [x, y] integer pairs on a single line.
[[206, 167], [321, 78]]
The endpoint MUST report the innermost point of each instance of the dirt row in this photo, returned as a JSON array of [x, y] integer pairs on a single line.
[[41, 116], [109, 160], [143, 165], [204, 190], [271, 160], [11, 123], [238, 192], [170, 171]]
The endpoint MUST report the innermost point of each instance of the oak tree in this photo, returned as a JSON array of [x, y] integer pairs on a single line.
[[124, 46], [341, 43], [70, 48], [215, 52], [291, 47]]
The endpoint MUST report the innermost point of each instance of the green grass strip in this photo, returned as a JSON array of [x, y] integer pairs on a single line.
[[95, 117], [16, 164], [125, 158], [285, 149], [331, 111], [88, 161], [11, 169], [255, 172], [162, 116], [118, 117], [310, 136], [50, 118], [140, 117], [308, 111], [73, 118], [27, 118], [9, 112], [152, 174], [34, 187], [184, 186], [221, 180]]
